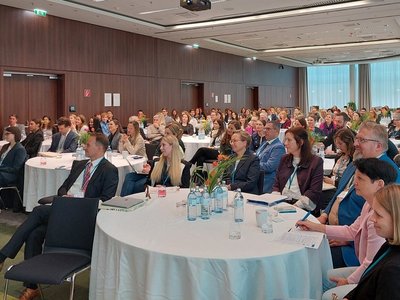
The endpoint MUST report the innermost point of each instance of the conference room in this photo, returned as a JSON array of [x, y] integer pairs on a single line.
[[227, 86]]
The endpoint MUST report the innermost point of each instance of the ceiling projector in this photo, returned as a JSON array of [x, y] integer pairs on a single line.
[[196, 5]]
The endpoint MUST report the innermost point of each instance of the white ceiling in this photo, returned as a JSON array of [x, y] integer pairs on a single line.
[[375, 20]]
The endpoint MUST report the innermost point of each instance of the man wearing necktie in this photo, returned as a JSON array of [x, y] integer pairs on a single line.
[[93, 178], [270, 154], [345, 206], [65, 140]]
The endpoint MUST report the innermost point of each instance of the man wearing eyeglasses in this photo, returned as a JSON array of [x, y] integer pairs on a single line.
[[345, 206]]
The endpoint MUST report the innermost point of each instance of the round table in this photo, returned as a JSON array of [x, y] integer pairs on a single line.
[[155, 253], [44, 180], [193, 143]]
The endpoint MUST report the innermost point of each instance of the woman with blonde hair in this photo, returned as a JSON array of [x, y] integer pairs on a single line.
[[169, 169], [380, 279]]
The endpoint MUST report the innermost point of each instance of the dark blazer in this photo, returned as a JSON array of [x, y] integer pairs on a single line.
[[114, 140], [309, 176], [103, 183], [32, 143], [246, 174], [382, 281], [70, 144], [270, 158], [12, 164]]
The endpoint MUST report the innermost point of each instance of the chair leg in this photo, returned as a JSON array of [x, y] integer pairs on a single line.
[[41, 292], [5, 290], [72, 287]]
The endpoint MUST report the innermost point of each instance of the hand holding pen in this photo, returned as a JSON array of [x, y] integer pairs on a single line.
[[304, 224]]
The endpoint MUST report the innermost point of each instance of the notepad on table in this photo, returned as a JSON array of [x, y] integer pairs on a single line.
[[122, 202], [267, 199]]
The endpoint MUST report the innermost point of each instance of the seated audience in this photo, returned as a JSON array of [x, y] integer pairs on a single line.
[[94, 125], [13, 122], [174, 129], [217, 134], [65, 140], [169, 170], [115, 133], [344, 141], [186, 126], [340, 122], [355, 121], [327, 127], [284, 120], [104, 124], [270, 154], [394, 131], [246, 170], [300, 121], [371, 175], [12, 157], [156, 131], [80, 124], [205, 153], [175, 116], [300, 173], [132, 141], [380, 280], [102, 183], [47, 127], [258, 137], [34, 139], [311, 121]]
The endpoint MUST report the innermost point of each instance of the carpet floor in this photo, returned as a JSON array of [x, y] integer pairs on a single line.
[[9, 222]]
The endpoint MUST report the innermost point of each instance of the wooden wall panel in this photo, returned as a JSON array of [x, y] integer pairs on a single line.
[[147, 72]]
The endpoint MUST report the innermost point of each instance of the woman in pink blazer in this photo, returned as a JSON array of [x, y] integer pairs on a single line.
[[371, 175]]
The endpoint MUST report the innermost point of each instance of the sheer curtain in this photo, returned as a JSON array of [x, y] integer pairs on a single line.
[[329, 85], [303, 90], [385, 84]]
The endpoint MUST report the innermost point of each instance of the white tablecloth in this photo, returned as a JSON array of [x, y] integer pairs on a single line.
[[155, 253], [44, 180], [192, 144]]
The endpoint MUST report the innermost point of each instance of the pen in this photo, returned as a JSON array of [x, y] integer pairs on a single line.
[[305, 217]]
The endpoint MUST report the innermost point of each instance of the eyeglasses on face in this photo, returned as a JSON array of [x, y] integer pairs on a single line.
[[364, 140]]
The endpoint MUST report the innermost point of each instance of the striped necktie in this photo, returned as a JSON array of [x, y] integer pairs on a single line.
[[86, 176]]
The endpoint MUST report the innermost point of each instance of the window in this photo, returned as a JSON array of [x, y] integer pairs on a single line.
[[329, 86], [385, 84]]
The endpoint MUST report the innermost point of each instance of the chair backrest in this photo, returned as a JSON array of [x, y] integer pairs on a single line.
[[150, 150], [71, 225], [260, 183]]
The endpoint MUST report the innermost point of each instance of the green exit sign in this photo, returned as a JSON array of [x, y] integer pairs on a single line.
[[40, 12]]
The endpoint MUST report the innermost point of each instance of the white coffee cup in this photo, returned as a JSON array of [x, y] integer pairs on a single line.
[[261, 216]]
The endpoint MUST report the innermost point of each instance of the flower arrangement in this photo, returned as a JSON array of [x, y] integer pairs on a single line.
[[205, 125], [212, 178], [83, 138], [315, 138]]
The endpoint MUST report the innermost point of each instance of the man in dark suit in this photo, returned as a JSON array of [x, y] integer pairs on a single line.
[[34, 139], [65, 140], [93, 178]]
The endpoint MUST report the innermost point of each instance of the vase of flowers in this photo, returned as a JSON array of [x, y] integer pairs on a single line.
[[211, 179]]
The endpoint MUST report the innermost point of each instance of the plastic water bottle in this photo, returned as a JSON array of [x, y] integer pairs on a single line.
[[238, 206], [219, 197], [199, 197], [224, 195], [321, 151], [79, 153], [109, 154], [205, 205], [191, 206]]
